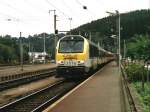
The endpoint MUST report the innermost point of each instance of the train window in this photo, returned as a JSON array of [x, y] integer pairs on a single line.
[[94, 52], [91, 51], [71, 46]]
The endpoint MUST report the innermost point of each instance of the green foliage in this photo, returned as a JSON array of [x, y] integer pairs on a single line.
[[134, 72], [135, 22], [139, 47], [7, 54], [10, 47], [144, 96]]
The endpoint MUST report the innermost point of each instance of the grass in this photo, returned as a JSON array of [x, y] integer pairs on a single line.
[[144, 96]]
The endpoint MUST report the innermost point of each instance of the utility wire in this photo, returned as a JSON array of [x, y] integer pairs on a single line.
[[63, 1], [79, 2], [12, 18], [17, 10], [56, 8], [8, 5], [9, 17], [70, 9], [32, 5]]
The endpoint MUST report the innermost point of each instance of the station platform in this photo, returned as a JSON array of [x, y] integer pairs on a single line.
[[26, 68], [100, 93]]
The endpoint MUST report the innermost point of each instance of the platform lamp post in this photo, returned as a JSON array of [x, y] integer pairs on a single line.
[[118, 31]]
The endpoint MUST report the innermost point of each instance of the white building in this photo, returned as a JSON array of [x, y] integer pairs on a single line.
[[38, 57]]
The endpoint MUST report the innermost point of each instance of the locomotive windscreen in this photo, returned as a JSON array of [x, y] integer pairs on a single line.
[[72, 44]]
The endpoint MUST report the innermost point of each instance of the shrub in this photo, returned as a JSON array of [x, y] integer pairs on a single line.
[[133, 72]]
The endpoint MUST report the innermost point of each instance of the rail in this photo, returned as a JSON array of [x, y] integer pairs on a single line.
[[23, 101], [39, 100]]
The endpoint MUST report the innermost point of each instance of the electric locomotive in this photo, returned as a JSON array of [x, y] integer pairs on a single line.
[[76, 54]]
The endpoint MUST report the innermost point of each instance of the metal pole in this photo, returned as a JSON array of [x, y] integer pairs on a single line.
[[70, 19], [44, 42], [55, 38], [124, 49], [29, 51], [44, 48], [119, 41], [118, 31], [54, 22], [21, 52], [55, 28]]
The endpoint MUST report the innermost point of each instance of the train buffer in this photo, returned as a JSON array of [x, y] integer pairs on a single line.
[[99, 93]]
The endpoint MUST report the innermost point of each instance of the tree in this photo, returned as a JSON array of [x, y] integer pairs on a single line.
[[139, 47]]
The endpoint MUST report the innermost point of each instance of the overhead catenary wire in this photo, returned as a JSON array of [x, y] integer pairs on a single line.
[[19, 19], [18, 10], [70, 9], [9, 17], [15, 9], [24, 18], [79, 2], [57, 8], [35, 7]]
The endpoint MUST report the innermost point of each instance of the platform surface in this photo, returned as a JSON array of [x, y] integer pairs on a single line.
[[101, 93], [26, 68]]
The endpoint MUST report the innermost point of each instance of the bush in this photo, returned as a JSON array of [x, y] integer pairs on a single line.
[[135, 72]]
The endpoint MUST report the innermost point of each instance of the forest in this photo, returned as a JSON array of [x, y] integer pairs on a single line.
[[10, 47]]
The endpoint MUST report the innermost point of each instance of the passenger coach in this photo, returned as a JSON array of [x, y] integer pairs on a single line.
[[76, 54]]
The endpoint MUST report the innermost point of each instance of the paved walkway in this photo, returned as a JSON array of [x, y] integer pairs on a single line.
[[26, 68], [102, 93]]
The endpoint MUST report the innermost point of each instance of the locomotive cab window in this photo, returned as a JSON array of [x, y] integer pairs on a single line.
[[71, 45]]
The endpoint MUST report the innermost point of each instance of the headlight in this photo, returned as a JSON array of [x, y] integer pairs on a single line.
[[81, 62], [60, 62]]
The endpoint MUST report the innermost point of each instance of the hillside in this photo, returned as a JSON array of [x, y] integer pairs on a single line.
[[136, 22]]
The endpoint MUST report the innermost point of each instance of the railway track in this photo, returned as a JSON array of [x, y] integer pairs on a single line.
[[39, 100], [22, 80]]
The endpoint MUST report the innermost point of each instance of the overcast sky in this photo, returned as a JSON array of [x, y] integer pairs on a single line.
[[33, 17]]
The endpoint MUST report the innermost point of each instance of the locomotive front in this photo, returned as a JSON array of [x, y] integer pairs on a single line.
[[71, 54]]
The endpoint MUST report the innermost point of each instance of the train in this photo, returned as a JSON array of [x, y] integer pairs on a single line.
[[76, 54]]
